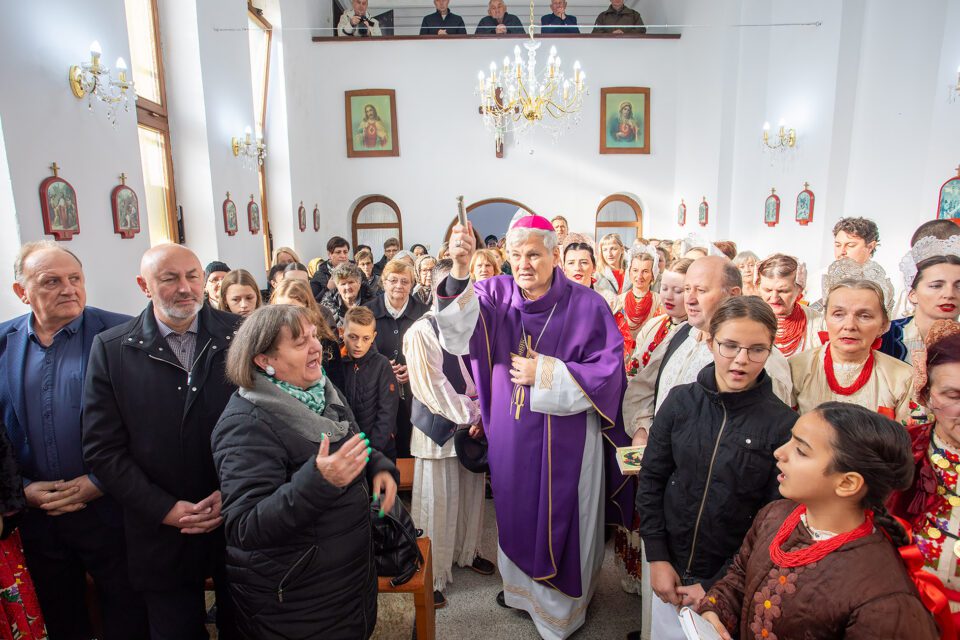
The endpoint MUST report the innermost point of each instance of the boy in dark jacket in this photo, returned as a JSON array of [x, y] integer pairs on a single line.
[[370, 386]]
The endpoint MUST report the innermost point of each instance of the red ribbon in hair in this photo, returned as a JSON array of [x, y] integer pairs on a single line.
[[934, 596]]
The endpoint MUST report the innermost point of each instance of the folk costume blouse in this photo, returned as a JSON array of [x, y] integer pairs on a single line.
[[887, 390]]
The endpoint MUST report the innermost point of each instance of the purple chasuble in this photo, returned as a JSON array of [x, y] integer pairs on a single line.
[[535, 459]]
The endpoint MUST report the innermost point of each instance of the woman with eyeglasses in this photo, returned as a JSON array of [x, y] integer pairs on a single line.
[[396, 310], [708, 467], [848, 368], [932, 505]]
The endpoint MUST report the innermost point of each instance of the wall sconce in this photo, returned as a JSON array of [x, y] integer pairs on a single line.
[[786, 138], [250, 153], [94, 79]]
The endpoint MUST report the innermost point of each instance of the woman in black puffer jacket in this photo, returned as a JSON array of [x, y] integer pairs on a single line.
[[294, 472]]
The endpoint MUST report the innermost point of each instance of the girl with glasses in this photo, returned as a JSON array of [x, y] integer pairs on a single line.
[[708, 467]]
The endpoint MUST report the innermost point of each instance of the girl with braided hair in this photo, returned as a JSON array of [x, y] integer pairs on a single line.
[[823, 563]]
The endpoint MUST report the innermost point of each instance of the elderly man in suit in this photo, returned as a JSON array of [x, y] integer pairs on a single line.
[[70, 528]]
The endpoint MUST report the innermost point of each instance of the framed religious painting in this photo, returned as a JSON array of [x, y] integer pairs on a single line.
[[58, 203], [371, 123], [805, 200], [948, 206], [771, 209], [625, 120], [126, 209], [302, 217], [682, 213], [253, 215], [703, 212], [230, 216], [316, 217]]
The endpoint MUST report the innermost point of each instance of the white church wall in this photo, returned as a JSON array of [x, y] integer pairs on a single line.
[[43, 123], [787, 73], [444, 150], [866, 90], [9, 240], [211, 101], [904, 134]]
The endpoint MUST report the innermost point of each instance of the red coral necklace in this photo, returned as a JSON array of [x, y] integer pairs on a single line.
[[791, 331], [858, 384], [816, 551]]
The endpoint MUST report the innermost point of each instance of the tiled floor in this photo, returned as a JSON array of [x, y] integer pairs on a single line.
[[473, 614]]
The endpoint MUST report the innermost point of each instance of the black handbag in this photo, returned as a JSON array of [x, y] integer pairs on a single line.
[[395, 543]]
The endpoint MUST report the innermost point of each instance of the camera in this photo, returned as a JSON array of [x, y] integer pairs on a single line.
[[362, 26]]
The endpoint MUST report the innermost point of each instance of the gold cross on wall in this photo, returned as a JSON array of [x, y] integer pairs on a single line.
[[55, 169]]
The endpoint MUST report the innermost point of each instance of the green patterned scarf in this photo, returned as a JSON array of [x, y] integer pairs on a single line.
[[313, 397]]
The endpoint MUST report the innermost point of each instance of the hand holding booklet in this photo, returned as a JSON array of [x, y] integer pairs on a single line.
[[629, 460], [695, 627]]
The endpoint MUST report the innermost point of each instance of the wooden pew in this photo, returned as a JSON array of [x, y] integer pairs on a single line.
[[405, 467], [421, 586]]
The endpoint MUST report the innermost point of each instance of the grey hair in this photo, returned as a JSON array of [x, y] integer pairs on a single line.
[[743, 256], [30, 248], [441, 269], [259, 334], [522, 234], [347, 271]]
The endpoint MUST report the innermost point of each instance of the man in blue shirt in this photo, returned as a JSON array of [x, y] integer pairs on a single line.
[[559, 21], [498, 21], [442, 22], [70, 528]]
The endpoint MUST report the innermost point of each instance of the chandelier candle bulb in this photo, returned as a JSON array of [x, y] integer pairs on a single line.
[[121, 66], [95, 52], [246, 135]]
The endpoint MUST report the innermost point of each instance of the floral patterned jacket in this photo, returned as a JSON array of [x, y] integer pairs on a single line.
[[859, 591]]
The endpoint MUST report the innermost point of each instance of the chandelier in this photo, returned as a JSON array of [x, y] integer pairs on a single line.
[[517, 96]]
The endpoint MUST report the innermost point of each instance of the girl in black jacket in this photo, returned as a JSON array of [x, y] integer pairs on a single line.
[[708, 467]]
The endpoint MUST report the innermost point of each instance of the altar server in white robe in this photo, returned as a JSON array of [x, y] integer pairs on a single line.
[[448, 499]]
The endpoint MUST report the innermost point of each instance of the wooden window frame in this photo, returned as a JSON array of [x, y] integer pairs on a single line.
[[362, 204], [154, 116], [618, 224], [257, 16]]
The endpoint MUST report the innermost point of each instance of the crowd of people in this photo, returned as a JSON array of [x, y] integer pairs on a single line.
[[356, 22], [801, 441]]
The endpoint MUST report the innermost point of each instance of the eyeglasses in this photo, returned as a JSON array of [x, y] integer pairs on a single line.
[[948, 407], [731, 350]]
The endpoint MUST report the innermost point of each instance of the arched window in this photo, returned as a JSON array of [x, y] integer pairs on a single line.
[[620, 213], [375, 219], [490, 216]]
